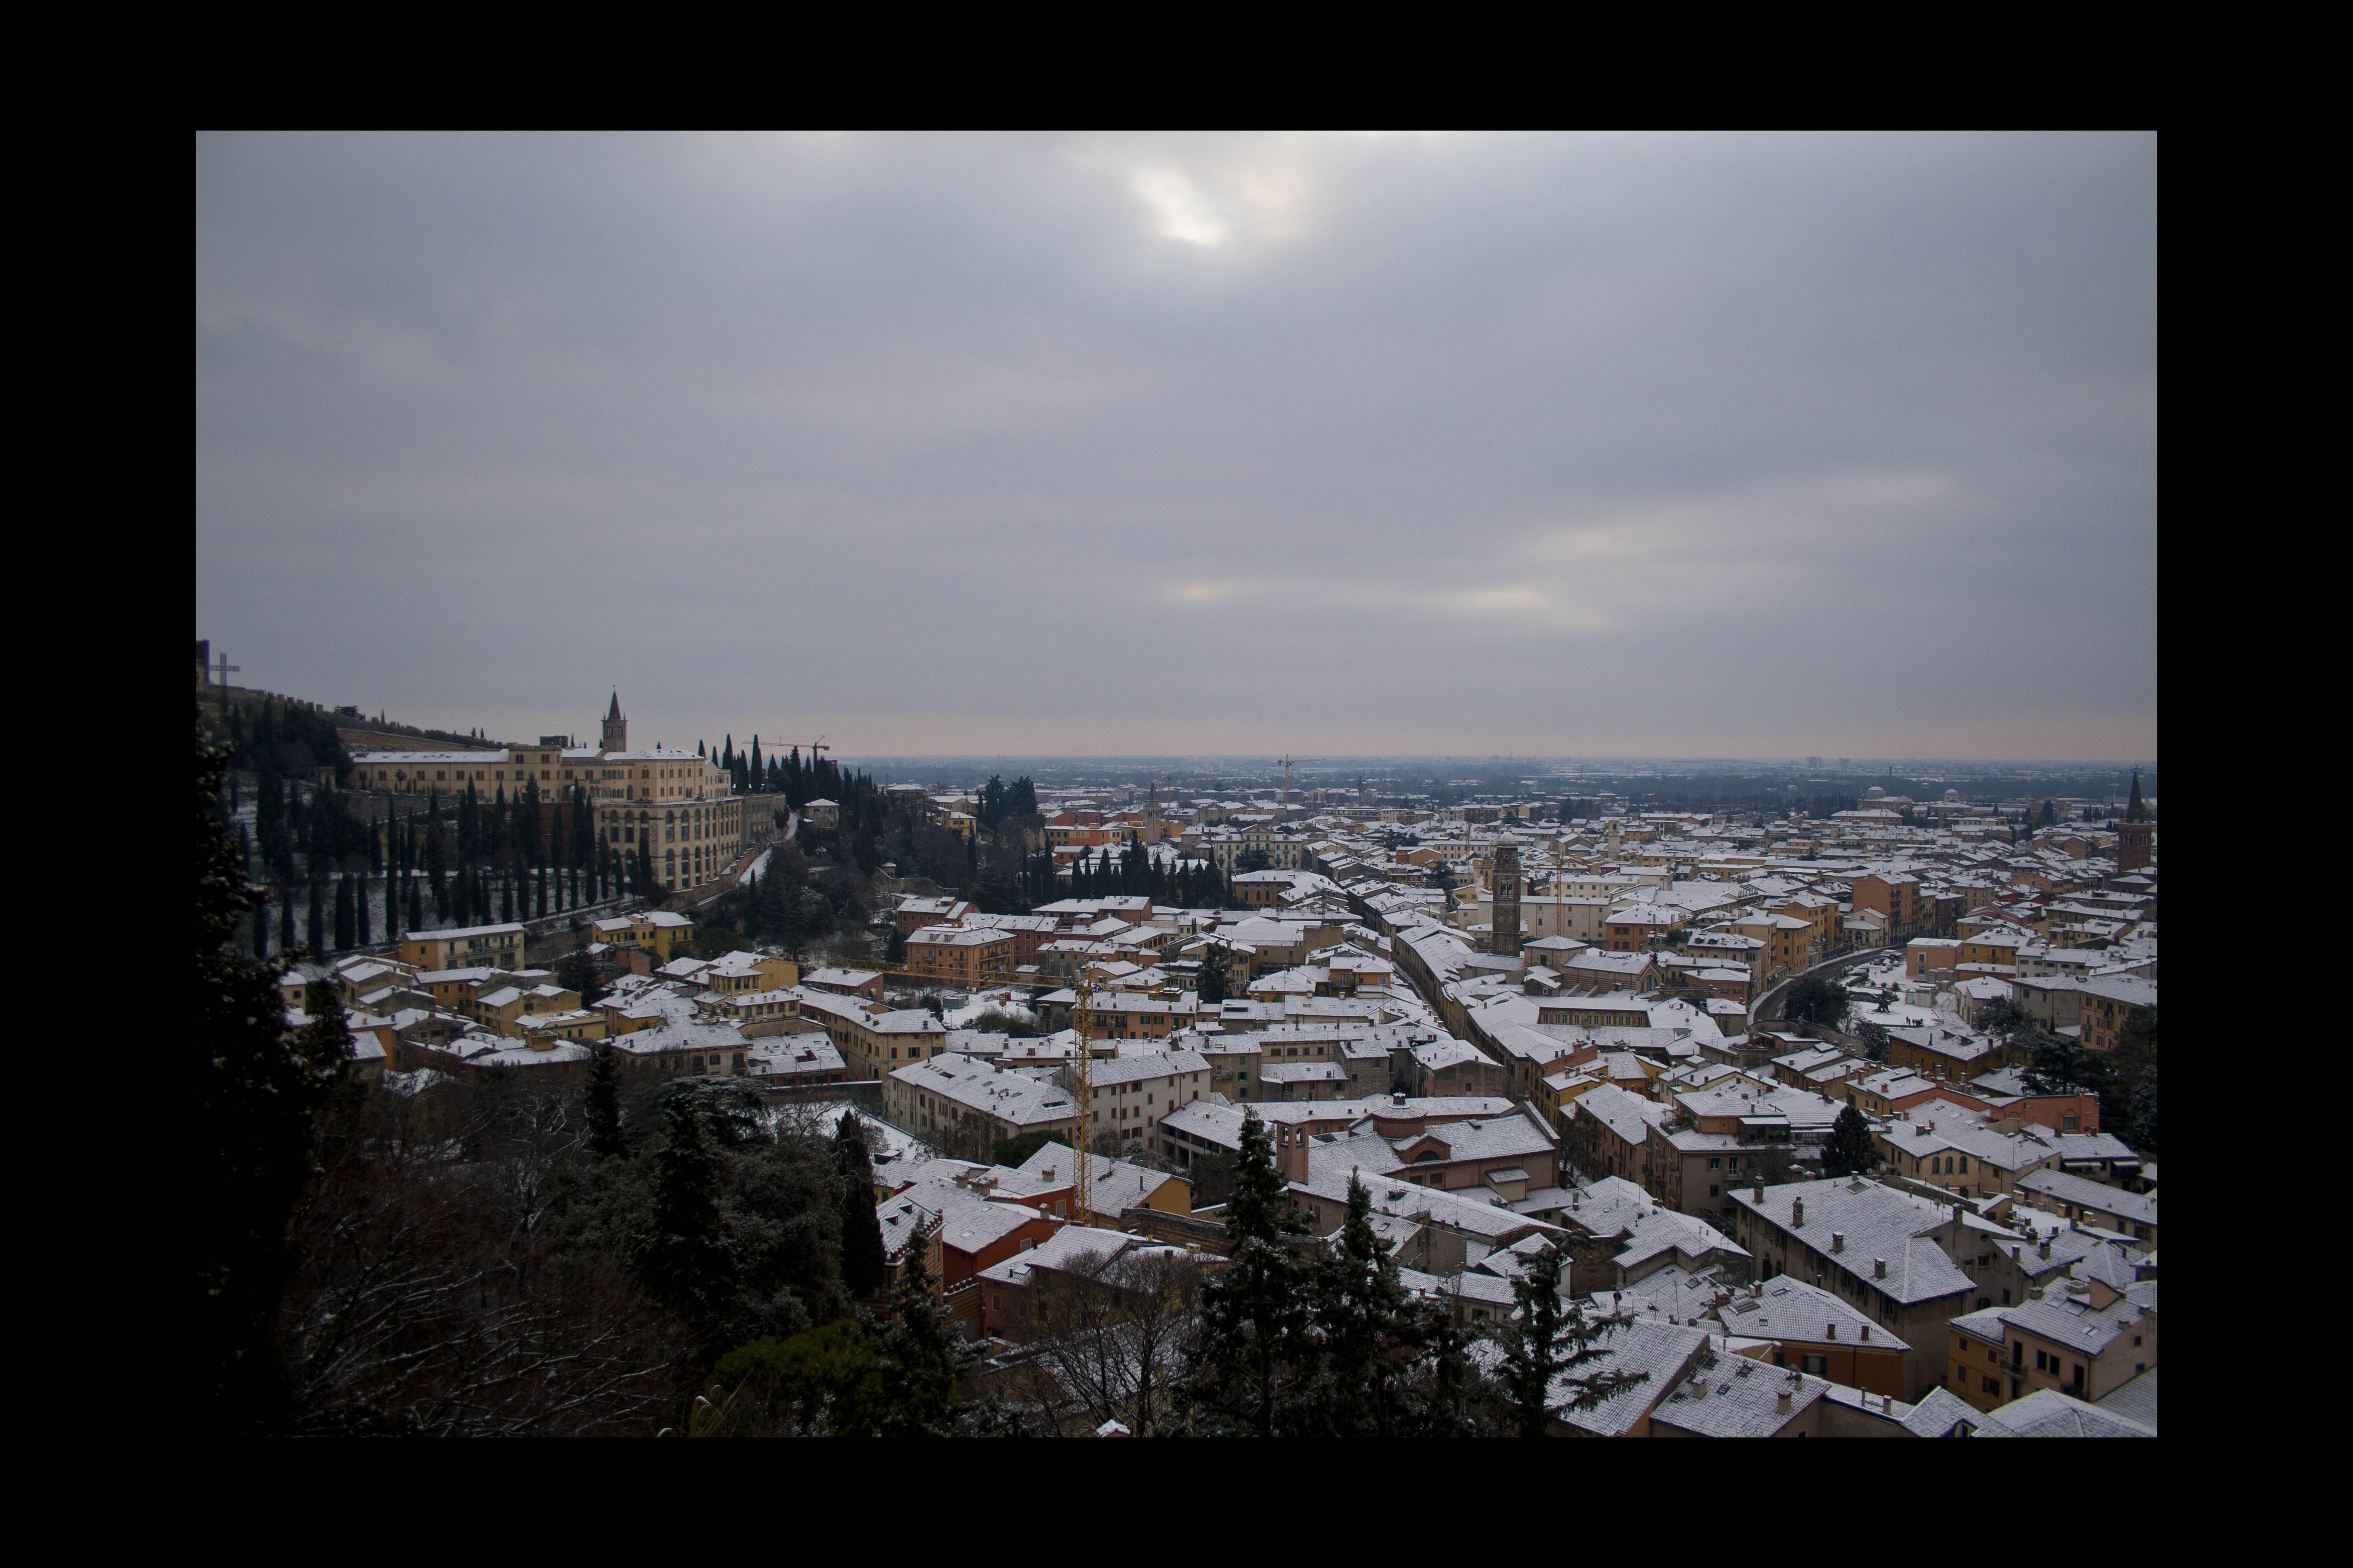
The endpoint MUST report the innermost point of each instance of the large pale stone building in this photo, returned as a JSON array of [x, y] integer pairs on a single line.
[[676, 803]]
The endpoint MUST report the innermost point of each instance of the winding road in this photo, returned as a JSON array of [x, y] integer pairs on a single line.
[[1768, 1006]]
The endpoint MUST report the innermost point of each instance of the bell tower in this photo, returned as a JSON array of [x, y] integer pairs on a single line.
[[617, 728], [1505, 877], [2135, 849]]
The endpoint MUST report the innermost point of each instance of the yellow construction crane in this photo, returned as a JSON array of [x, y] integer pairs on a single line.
[[1286, 776], [1082, 1088]]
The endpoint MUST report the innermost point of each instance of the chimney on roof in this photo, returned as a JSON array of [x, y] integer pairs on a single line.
[[1838, 1241], [1759, 1195], [1879, 1269], [2045, 1249], [1797, 1211], [1781, 1404], [1833, 1331], [1866, 1330]]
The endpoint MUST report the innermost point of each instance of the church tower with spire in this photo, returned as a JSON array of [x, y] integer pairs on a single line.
[[617, 728], [2136, 850]]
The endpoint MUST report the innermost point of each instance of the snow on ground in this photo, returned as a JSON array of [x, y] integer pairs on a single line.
[[999, 1001], [409, 1083], [887, 1142]]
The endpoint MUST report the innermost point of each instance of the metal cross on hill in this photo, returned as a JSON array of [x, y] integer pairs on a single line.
[[223, 669]]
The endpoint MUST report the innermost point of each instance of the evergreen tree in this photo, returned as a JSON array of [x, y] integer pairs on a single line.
[[1815, 1000], [576, 972], [436, 858], [1849, 1150], [1364, 1324], [685, 1263], [415, 905], [2133, 1089], [1254, 1327], [861, 1227], [360, 909], [1450, 1396], [1213, 978], [920, 1357], [506, 896], [605, 1139], [1545, 1340], [792, 919], [256, 1090]]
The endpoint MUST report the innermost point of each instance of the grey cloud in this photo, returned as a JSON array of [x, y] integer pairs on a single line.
[[1606, 444]]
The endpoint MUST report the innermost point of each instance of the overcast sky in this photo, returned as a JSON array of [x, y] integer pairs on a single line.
[[1675, 446]]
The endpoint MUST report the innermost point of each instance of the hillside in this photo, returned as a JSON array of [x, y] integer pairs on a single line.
[[359, 732]]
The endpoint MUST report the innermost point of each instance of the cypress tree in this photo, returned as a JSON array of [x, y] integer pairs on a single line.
[[345, 927], [605, 1139], [285, 917], [415, 905], [506, 895], [686, 1264], [861, 1227], [437, 860], [359, 900]]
